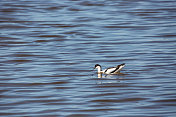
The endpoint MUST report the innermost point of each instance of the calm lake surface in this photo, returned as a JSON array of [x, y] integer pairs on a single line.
[[48, 49]]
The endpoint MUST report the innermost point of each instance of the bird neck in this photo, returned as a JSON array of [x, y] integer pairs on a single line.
[[99, 69]]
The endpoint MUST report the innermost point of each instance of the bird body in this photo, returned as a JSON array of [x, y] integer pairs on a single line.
[[111, 70]]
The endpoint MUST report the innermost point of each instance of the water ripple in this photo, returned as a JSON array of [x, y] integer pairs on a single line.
[[48, 50]]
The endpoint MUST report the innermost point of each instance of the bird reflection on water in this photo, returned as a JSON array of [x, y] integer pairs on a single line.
[[109, 80], [100, 75]]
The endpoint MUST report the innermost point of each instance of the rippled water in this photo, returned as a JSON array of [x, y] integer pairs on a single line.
[[48, 49]]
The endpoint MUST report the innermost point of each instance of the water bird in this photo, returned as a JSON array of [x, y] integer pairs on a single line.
[[111, 70]]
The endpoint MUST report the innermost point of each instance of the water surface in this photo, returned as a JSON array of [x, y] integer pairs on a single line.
[[49, 48]]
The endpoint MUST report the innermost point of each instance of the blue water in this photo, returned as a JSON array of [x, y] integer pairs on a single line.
[[48, 50]]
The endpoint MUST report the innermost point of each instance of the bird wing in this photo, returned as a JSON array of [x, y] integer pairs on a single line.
[[119, 68], [110, 70]]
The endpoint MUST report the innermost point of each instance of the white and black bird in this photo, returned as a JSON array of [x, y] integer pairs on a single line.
[[111, 70]]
